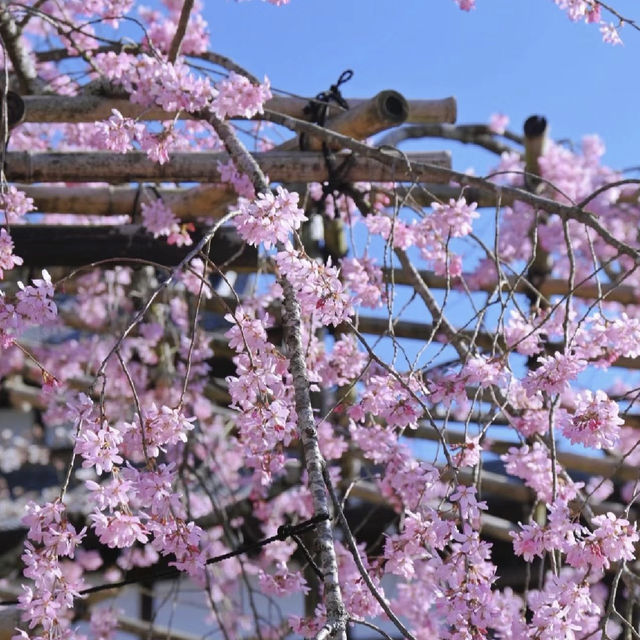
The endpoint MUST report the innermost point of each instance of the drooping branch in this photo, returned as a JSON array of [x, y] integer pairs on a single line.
[[314, 462], [458, 340], [565, 212]]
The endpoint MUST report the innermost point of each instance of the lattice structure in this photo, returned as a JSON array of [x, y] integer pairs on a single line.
[[166, 307]]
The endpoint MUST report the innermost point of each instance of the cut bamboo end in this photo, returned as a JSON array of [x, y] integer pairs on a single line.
[[385, 110], [424, 111]]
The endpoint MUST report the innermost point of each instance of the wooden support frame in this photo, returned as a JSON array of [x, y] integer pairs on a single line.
[[74, 246], [88, 108], [281, 166]]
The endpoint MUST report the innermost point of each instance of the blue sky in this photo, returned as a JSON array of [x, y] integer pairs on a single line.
[[519, 57], [516, 56]]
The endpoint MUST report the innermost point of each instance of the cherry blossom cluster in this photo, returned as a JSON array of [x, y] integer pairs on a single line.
[[270, 218], [262, 391], [158, 457], [318, 287], [48, 603], [159, 219], [431, 234], [611, 540], [237, 96], [32, 305]]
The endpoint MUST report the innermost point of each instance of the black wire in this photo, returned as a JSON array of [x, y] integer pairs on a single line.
[[285, 531]]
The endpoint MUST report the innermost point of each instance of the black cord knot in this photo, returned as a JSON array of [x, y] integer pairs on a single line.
[[285, 531], [317, 108]]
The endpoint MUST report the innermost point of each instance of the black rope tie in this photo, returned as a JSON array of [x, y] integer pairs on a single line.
[[284, 531], [317, 111]]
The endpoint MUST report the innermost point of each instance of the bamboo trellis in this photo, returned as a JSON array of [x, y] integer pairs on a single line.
[[121, 190]]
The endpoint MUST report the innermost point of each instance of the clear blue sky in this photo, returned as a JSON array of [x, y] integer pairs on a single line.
[[515, 56]]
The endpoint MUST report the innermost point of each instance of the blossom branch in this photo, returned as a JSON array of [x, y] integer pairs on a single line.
[[20, 59], [314, 461], [181, 29], [351, 543], [389, 158]]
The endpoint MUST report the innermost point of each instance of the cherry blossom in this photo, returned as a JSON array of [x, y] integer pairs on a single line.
[[8, 259], [498, 123], [595, 422], [238, 97], [117, 133], [269, 218], [186, 422], [15, 204]]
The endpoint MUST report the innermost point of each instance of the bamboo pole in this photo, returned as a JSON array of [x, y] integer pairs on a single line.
[[606, 467], [282, 166], [385, 110], [204, 200], [611, 292], [88, 108], [207, 200], [491, 526]]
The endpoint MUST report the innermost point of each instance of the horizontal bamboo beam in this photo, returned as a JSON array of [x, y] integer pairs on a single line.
[[206, 200], [493, 483], [281, 166], [87, 108], [203, 201], [419, 331], [153, 631], [491, 526], [551, 287], [422, 331], [605, 467], [74, 246]]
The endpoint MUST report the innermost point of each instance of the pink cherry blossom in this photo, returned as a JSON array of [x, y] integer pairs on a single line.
[[15, 204], [269, 218], [35, 302], [553, 373], [158, 218], [498, 123], [8, 259], [117, 133], [610, 34], [118, 529], [99, 448], [238, 97], [595, 422]]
